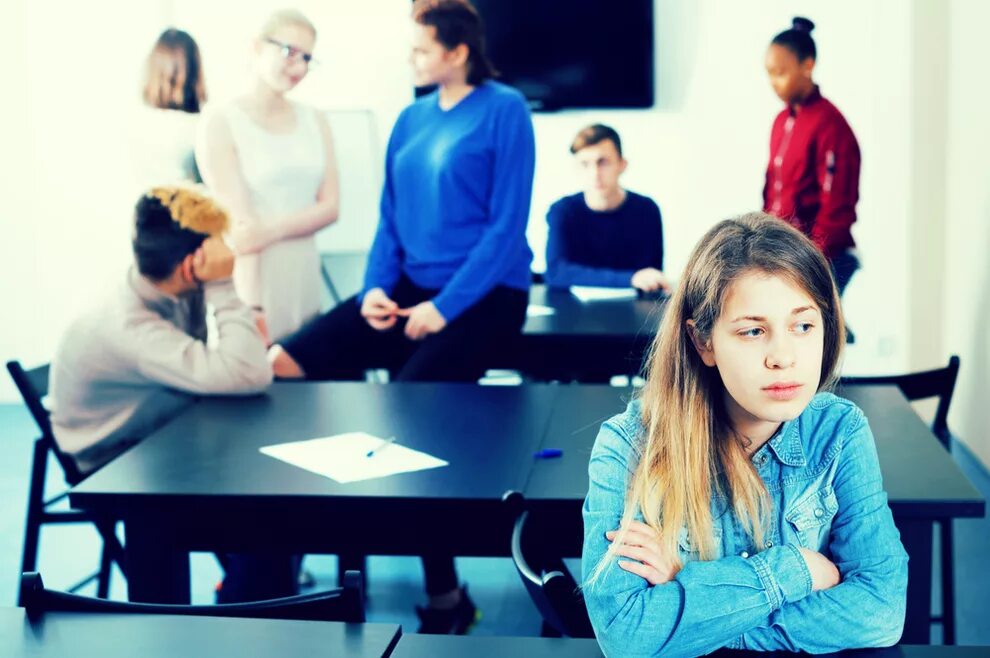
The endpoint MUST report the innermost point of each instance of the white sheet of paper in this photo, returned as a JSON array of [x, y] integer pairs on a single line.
[[598, 294], [539, 311], [344, 457]]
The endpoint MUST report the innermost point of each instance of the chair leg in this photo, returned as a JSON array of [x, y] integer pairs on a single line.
[[103, 577], [112, 549], [948, 582], [352, 562], [35, 507]]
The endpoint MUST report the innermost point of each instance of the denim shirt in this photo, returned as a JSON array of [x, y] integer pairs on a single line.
[[823, 477]]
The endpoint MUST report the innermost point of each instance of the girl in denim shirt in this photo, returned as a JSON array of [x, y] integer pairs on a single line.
[[735, 503]]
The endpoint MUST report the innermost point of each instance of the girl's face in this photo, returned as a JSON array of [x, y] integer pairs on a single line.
[[284, 56], [790, 78], [431, 62], [767, 345]]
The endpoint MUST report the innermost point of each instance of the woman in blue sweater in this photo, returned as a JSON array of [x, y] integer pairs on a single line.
[[448, 275]]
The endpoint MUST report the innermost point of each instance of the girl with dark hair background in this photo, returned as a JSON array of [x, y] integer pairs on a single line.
[[163, 131], [812, 179]]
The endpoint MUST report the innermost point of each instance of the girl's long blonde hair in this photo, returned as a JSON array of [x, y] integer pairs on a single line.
[[687, 437]]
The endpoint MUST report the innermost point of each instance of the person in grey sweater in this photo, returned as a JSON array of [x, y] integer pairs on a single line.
[[137, 358]]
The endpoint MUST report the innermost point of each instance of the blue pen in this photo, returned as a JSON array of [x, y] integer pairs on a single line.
[[381, 446], [548, 453]]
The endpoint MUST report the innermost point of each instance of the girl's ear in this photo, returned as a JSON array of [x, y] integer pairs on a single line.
[[458, 56], [703, 349]]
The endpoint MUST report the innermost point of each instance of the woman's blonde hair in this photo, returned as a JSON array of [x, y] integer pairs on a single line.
[[282, 17], [688, 438]]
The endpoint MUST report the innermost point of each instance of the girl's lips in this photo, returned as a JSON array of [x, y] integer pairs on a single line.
[[783, 391]]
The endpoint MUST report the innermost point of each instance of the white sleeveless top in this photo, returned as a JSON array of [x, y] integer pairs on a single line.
[[283, 173], [160, 147]]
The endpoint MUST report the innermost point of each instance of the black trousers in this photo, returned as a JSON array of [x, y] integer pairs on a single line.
[[256, 577], [340, 345]]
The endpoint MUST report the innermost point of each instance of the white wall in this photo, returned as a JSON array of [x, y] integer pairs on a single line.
[[966, 285], [700, 152], [69, 72]]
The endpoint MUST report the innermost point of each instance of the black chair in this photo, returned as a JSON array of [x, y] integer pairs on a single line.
[[939, 383], [33, 386], [341, 604], [550, 584]]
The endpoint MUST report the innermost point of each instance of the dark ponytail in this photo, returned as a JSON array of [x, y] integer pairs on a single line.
[[798, 39], [457, 22]]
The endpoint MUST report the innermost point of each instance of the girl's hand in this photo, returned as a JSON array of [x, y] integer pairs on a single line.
[[642, 544], [424, 319], [378, 310], [824, 573]]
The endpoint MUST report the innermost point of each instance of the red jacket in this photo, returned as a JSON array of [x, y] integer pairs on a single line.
[[813, 175]]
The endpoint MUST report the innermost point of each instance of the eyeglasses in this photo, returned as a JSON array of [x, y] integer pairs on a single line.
[[290, 52]]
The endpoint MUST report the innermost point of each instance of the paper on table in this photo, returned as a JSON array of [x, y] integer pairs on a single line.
[[595, 293], [344, 457], [539, 311]]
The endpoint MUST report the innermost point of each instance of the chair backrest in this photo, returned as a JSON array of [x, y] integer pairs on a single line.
[[33, 387], [550, 585], [940, 383], [341, 604]]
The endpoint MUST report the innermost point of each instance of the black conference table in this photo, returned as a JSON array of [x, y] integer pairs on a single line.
[[446, 646], [562, 339], [200, 484], [102, 635]]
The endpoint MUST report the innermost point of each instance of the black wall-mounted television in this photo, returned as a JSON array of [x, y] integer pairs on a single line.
[[573, 53]]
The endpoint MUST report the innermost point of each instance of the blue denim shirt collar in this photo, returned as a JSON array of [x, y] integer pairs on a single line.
[[786, 445]]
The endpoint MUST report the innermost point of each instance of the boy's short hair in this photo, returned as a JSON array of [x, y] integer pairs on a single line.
[[595, 133], [169, 224]]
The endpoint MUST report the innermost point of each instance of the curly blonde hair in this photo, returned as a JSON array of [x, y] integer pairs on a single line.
[[192, 209]]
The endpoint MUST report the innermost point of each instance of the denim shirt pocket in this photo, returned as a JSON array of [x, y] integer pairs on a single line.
[[688, 552], [811, 518]]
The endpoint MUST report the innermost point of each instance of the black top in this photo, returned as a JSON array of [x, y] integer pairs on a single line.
[[586, 247], [82, 635]]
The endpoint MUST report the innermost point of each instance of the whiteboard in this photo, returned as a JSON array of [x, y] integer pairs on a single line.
[[360, 164]]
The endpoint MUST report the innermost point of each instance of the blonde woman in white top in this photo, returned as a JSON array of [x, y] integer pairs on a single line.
[[271, 161]]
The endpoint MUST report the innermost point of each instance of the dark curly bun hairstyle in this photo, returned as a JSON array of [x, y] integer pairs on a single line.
[[798, 39]]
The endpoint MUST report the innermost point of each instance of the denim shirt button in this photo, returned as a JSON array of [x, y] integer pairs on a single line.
[[769, 544], [819, 512], [744, 554]]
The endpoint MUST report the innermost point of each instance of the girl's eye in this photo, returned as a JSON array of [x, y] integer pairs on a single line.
[[755, 332], [804, 327]]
